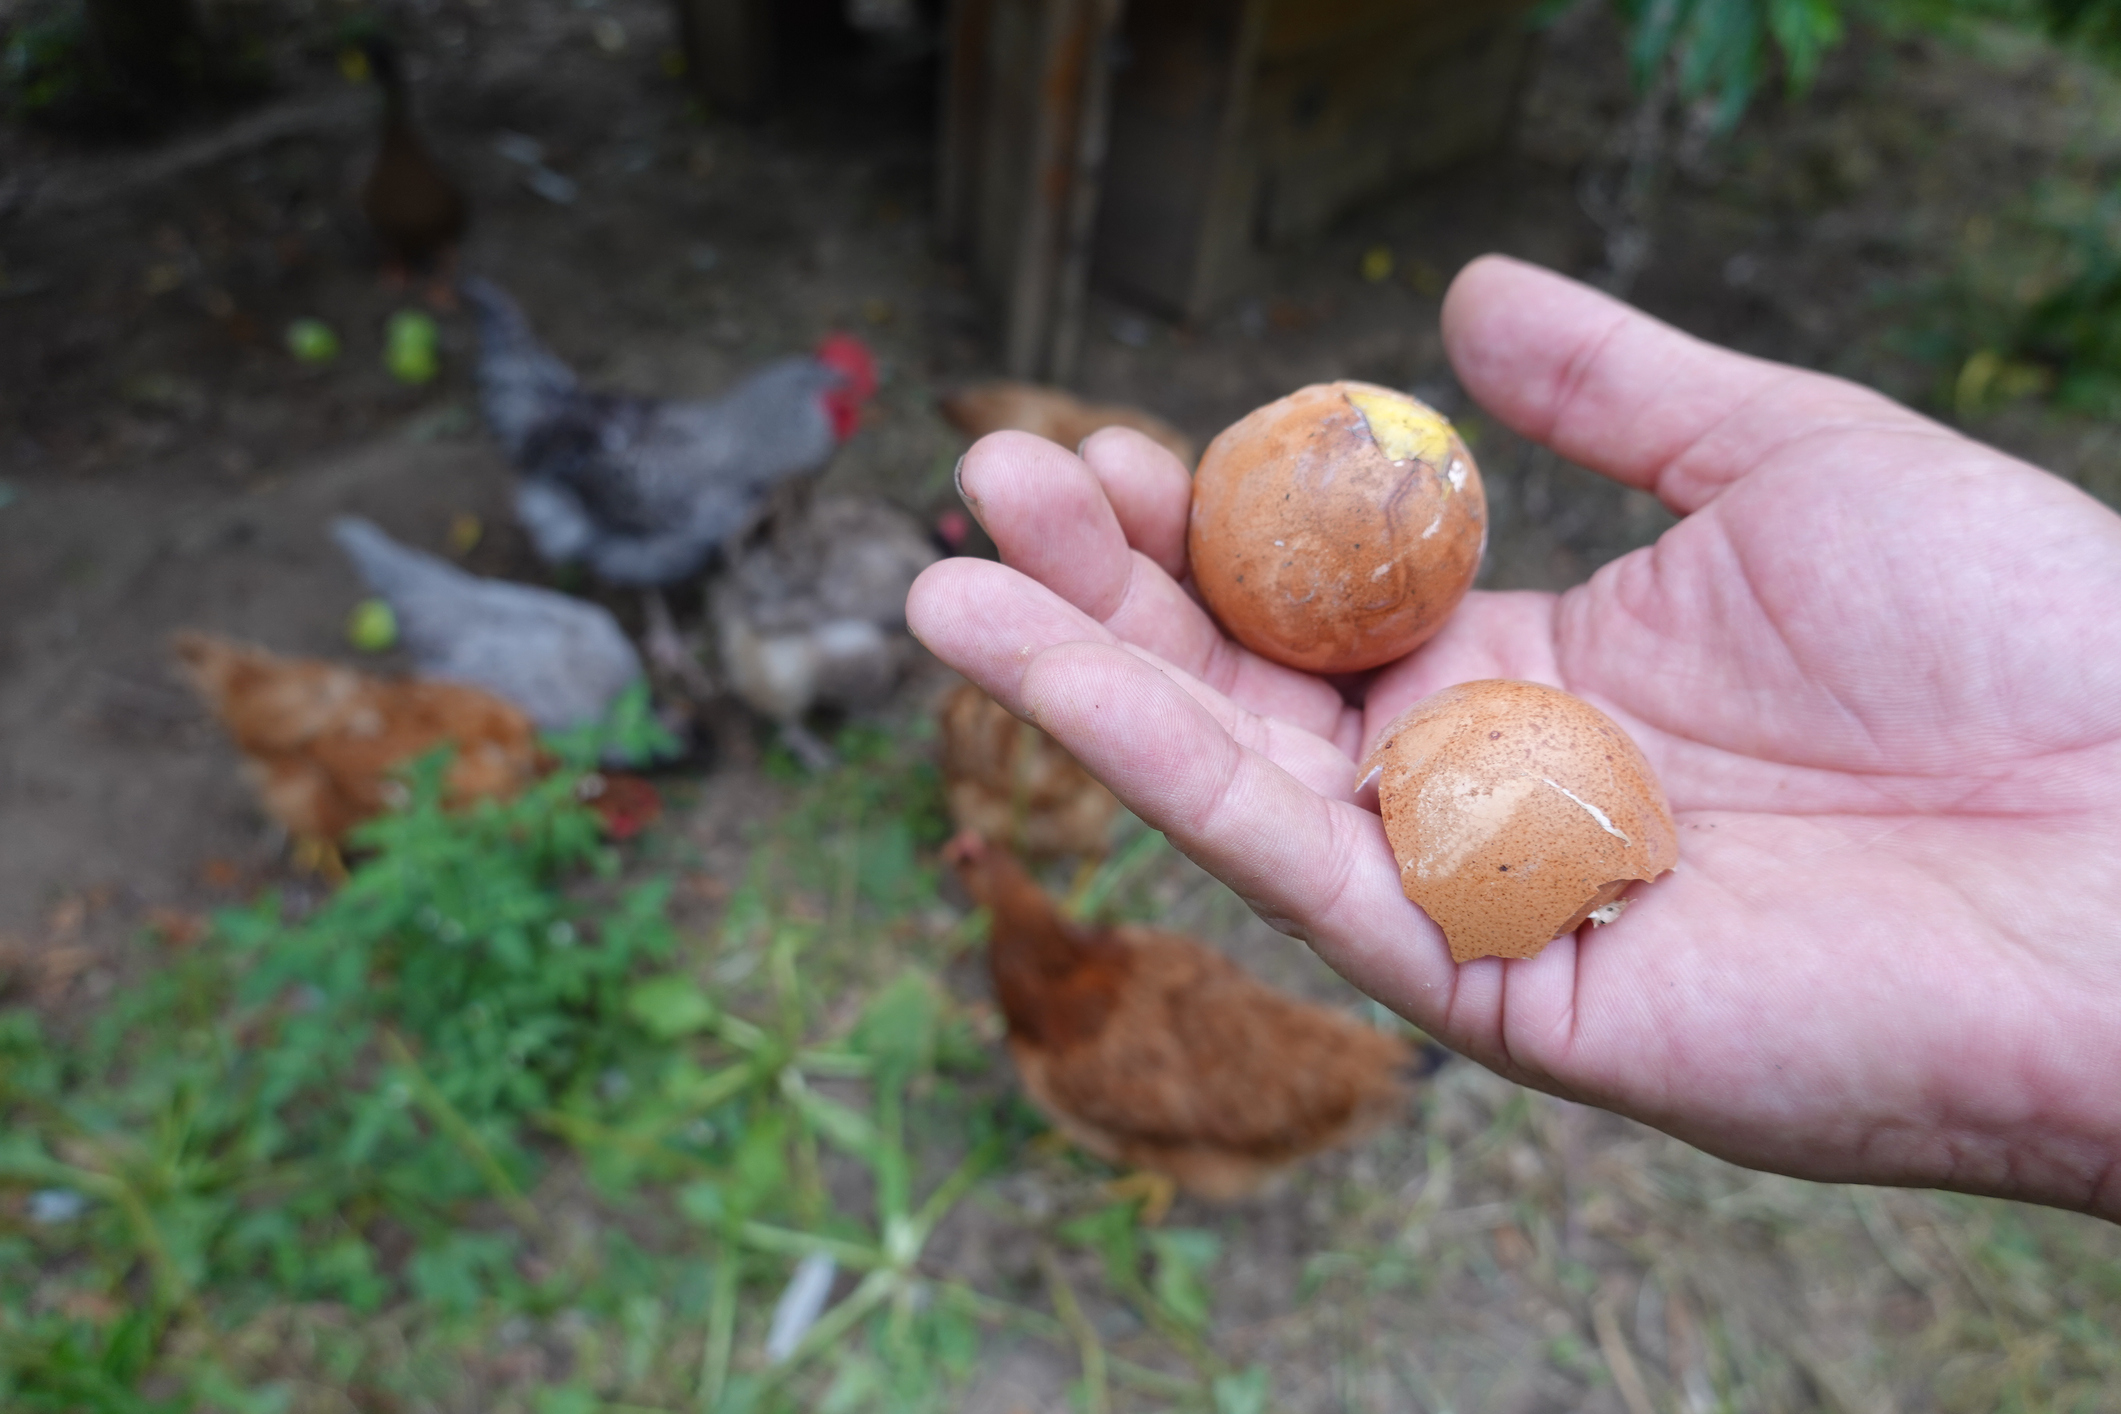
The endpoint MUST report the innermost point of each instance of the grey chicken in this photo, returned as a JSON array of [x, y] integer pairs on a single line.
[[812, 612], [562, 660], [644, 491]]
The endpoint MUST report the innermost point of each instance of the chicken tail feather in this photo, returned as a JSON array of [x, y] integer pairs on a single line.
[[522, 384]]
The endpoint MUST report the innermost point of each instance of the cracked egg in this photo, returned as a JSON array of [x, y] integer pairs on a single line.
[[1337, 528], [1517, 812]]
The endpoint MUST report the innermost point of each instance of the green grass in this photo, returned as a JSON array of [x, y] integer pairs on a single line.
[[501, 1127]]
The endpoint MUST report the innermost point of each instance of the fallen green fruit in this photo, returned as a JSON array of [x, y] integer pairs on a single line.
[[312, 341], [412, 347], [372, 627]]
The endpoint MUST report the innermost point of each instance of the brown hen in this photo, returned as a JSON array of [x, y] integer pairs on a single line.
[[1151, 1049], [1054, 414], [1008, 781], [416, 210], [320, 740]]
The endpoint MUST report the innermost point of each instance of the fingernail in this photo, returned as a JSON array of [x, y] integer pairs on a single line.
[[957, 479]]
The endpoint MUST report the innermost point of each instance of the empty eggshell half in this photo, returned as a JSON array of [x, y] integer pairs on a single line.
[[1516, 812], [1337, 528]]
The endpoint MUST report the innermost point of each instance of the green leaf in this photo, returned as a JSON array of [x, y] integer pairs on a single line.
[[842, 1125], [1243, 1392], [566, 1399], [217, 1388], [758, 1176], [897, 1029], [705, 1203], [1183, 1257], [630, 732], [459, 1272], [857, 1385], [1114, 1234], [1804, 30], [670, 1007]]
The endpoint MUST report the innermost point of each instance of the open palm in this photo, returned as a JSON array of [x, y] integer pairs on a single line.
[[1877, 666]]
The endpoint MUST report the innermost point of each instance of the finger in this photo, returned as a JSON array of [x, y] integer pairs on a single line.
[[1317, 869], [1151, 493], [1630, 397], [1049, 517], [989, 622], [1325, 767]]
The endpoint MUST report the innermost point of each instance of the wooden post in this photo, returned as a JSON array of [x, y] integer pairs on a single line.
[[1023, 147], [729, 53]]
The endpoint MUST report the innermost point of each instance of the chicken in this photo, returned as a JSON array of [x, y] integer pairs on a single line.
[[416, 211], [812, 612], [321, 740], [1151, 1049], [1052, 413], [644, 491], [562, 660], [1009, 782]]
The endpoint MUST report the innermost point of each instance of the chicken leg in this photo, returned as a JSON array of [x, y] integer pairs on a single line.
[[668, 651], [1155, 1192]]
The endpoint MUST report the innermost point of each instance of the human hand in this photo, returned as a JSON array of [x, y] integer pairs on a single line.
[[1877, 666]]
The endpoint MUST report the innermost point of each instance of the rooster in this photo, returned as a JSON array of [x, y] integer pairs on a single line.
[[644, 491], [1152, 1049], [320, 741], [562, 660]]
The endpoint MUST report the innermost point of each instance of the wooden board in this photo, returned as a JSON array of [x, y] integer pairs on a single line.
[[1171, 229], [1023, 142], [1335, 120], [1236, 127], [729, 51], [1161, 149]]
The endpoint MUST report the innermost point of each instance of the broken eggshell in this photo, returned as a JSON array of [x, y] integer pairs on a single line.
[[1516, 812], [1337, 528]]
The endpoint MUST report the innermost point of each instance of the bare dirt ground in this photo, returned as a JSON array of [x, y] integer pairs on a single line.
[[165, 464]]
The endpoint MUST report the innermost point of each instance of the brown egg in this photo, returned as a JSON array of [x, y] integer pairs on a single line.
[[1516, 812], [1337, 528]]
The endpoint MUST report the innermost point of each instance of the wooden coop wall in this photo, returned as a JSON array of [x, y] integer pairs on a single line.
[[1159, 146]]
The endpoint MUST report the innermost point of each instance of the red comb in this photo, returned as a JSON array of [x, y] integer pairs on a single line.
[[850, 358]]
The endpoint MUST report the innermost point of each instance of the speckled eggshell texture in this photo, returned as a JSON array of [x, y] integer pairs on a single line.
[[1515, 811], [1336, 529]]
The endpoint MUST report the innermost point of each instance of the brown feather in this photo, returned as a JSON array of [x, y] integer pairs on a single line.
[[1007, 781], [320, 741], [1150, 1048], [1054, 414], [416, 211]]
